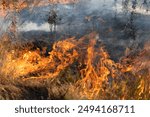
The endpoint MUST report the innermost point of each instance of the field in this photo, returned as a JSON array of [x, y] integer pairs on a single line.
[[80, 50]]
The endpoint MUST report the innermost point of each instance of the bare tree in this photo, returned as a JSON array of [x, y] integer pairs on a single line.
[[52, 20]]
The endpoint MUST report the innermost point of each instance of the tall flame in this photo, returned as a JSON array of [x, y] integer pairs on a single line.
[[88, 54]]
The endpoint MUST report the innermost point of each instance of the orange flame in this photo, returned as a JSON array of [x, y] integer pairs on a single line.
[[94, 64]]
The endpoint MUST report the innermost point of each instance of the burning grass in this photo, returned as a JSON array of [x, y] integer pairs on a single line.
[[73, 69]]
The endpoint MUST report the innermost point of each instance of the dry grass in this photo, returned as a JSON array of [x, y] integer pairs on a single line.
[[119, 83]]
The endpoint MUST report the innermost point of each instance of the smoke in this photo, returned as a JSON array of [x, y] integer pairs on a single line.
[[81, 67], [118, 27]]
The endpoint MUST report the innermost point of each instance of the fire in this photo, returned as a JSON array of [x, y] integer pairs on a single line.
[[88, 54], [99, 67], [142, 60], [40, 66], [19, 5]]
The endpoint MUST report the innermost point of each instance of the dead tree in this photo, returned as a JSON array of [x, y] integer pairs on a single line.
[[52, 20]]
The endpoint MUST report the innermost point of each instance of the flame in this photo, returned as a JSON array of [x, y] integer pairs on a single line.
[[98, 69], [93, 64], [142, 60], [20, 5], [33, 62]]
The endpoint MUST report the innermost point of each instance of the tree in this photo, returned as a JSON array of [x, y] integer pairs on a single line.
[[13, 7], [52, 20]]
